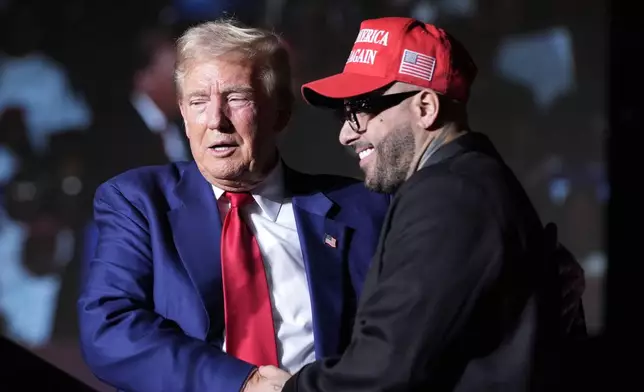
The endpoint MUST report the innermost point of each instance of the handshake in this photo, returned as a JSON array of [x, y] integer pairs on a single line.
[[266, 379]]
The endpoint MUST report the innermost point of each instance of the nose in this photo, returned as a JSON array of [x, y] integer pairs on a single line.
[[217, 116], [347, 134]]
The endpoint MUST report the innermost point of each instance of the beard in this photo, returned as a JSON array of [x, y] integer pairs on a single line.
[[394, 156]]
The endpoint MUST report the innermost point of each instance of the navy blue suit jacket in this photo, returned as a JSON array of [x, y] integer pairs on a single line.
[[151, 308]]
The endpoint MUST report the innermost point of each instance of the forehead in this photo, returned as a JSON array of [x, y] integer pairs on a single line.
[[218, 74]]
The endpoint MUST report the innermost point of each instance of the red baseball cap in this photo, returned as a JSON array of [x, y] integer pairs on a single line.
[[391, 50]]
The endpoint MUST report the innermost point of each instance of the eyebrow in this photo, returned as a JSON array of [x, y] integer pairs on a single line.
[[244, 89], [197, 93], [237, 89]]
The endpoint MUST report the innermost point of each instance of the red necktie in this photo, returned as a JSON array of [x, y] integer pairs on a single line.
[[250, 333]]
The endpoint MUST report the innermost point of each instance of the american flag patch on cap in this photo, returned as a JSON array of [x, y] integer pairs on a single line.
[[417, 64]]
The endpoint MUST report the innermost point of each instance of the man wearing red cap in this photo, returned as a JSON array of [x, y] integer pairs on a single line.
[[453, 300]]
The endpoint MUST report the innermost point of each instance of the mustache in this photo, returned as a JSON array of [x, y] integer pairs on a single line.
[[358, 146]]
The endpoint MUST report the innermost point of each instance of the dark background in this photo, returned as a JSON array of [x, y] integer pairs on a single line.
[[68, 70]]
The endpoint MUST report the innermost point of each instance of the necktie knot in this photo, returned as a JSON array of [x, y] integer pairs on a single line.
[[239, 199]]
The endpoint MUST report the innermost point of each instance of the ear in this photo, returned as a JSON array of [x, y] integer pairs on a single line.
[[425, 106]]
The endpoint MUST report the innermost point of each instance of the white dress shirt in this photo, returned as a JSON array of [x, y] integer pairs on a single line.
[[272, 221], [157, 122]]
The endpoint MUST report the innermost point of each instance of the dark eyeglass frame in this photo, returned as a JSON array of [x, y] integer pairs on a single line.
[[372, 105]]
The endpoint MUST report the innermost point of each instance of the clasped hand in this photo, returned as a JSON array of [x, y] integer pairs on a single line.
[[267, 379]]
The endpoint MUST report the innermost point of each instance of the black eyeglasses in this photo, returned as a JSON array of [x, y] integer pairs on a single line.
[[372, 105]]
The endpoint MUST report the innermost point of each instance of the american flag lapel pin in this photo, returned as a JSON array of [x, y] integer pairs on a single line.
[[330, 241]]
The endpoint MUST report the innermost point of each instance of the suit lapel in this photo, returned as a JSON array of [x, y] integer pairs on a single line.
[[324, 244], [196, 229]]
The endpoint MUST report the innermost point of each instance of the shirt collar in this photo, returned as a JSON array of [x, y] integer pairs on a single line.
[[269, 194], [150, 113]]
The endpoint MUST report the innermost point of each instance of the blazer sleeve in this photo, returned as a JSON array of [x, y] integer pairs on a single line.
[[124, 342], [442, 251]]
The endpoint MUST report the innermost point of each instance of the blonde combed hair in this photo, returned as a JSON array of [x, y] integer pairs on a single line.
[[223, 37]]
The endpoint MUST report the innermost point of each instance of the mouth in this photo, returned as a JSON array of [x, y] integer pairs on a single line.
[[364, 152], [222, 149]]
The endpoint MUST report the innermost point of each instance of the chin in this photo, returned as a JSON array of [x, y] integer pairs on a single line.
[[228, 171], [228, 174], [372, 183], [380, 187], [382, 183]]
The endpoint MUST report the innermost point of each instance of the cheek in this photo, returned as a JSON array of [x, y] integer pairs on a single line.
[[245, 123], [201, 119], [374, 133], [195, 123], [197, 116], [380, 130]]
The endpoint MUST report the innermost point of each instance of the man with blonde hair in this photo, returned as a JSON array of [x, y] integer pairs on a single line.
[[206, 270]]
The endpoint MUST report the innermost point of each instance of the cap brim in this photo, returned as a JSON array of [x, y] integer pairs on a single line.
[[330, 92]]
